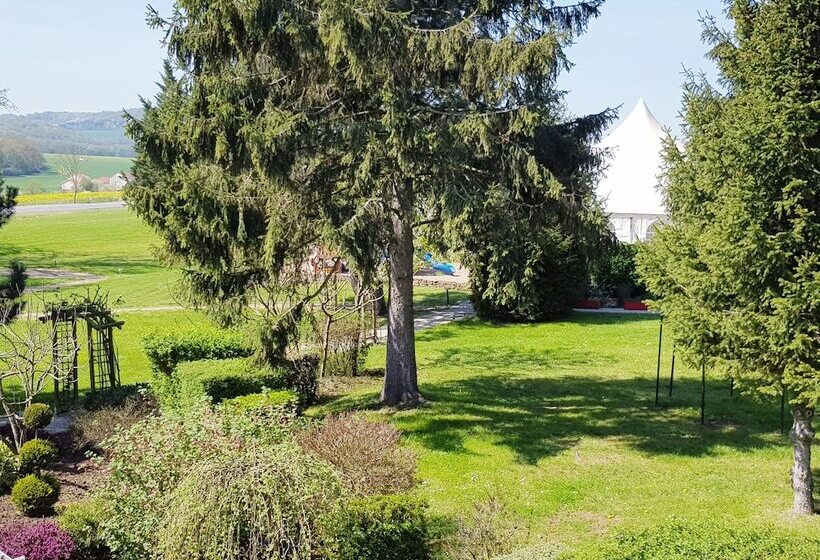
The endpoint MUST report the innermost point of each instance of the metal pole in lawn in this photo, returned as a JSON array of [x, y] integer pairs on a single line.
[[672, 373], [658, 374], [702, 393]]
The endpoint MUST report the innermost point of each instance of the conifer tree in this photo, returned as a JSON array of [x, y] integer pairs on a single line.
[[8, 195], [737, 271], [354, 124]]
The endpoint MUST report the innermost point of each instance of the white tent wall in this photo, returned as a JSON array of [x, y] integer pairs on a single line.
[[629, 186]]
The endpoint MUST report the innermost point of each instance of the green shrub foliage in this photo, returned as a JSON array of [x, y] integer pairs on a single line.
[[704, 540], [36, 454], [381, 528], [8, 468], [614, 273], [540, 552], [301, 375], [256, 402], [83, 522], [263, 504], [166, 349], [37, 416], [35, 494]]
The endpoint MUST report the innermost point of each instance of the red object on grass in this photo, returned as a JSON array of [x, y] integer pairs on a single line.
[[635, 306], [587, 303]]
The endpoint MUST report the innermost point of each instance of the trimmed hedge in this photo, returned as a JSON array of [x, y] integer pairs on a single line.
[[382, 528], [704, 540], [262, 401], [218, 380], [36, 454], [167, 349], [83, 521], [37, 416], [35, 494]]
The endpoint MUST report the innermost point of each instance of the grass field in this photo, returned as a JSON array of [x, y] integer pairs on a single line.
[[558, 421], [49, 181]]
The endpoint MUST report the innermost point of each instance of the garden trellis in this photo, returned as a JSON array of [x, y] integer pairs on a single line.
[[103, 363]]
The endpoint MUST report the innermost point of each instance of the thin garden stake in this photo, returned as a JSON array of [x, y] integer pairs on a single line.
[[702, 394], [658, 375], [672, 374], [731, 386]]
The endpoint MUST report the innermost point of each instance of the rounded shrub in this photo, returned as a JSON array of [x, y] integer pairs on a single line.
[[259, 504], [83, 522], [36, 454], [35, 494], [37, 416], [41, 541], [381, 528], [8, 468]]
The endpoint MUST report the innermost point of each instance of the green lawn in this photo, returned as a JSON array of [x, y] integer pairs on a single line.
[[48, 181], [558, 420]]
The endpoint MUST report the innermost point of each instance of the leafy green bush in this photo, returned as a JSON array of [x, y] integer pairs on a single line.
[[83, 522], [37, 416], [381, 528], [8, 468], [166, 349], [36, 454], [704, 540], [614, 274], [35, 494], [261, 504]]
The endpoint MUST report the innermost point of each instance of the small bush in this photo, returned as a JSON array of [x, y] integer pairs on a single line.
[[36, 454], [262, 504], [37, 416], [83, 522], [166, 349], [222, 379], [35, 494], [41, 541], [301, 375], [490, 531], [8, 468], [704, 540], [366, 454], [381, 528], [116, 396], [93, 427]]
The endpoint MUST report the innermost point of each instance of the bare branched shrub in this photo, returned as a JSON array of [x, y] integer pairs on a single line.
[[367, 454], [92, 427], [490, 531]]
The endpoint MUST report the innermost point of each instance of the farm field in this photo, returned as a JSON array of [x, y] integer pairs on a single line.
[[49, 181], [558, 421]]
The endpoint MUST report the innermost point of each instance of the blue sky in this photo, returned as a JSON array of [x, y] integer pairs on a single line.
[[90, 55]]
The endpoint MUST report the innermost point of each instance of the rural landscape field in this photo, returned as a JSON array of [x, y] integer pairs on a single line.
[[363, 280]]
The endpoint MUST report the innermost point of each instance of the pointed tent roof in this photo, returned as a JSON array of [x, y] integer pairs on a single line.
[[629, 185]]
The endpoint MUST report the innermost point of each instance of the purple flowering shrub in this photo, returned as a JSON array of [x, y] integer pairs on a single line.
[[40, 541]]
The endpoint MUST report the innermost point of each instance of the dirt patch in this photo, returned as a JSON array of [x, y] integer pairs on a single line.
[[77, 475], [58, 278]]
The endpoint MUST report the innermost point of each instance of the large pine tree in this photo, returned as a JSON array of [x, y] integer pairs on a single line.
[[349, 123], [737, 271]]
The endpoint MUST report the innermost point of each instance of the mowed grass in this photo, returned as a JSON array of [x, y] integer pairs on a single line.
[[93, 166], [111, 243], [558, 420]]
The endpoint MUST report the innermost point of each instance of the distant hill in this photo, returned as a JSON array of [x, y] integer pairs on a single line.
[[96, 134]]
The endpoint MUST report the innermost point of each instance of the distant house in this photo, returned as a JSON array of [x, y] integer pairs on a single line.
[[120, 180], [76, 182]]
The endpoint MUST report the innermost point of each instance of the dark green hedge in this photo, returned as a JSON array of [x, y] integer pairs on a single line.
[[166, 349], [224, 379]]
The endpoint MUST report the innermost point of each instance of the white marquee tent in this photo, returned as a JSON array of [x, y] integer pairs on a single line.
[[629, 186]]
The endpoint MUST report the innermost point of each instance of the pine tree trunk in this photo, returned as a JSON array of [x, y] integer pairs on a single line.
[[802, 436], [400, 378]]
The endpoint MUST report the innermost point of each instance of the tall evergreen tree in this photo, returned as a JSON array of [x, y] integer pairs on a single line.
[[737, 271], [8, 195], [349, 123]]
